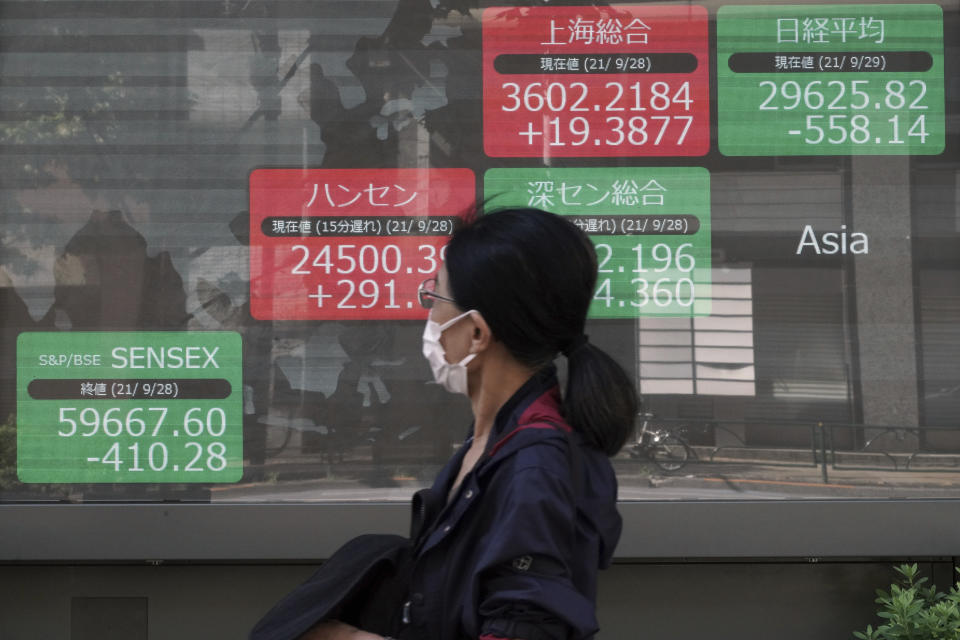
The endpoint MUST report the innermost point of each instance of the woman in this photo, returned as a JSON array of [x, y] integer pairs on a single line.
[[508, 540]]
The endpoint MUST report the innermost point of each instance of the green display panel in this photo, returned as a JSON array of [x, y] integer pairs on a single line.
[[651, 228], [129, 407], [827, 79]]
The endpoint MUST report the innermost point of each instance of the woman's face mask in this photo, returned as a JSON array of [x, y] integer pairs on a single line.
[[453, 377]]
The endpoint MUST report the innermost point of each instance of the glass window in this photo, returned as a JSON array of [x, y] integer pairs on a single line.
[[216, 216]]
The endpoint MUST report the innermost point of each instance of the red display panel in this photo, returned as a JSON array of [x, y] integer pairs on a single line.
[[350, 244], [595, 81]]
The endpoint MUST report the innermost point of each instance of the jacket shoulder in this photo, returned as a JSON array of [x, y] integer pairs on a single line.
[[534, 442]]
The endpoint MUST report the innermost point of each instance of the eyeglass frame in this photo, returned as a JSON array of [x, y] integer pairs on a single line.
[[424, 295]]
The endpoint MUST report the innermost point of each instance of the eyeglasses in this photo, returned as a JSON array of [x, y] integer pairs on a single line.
[[427, 293]]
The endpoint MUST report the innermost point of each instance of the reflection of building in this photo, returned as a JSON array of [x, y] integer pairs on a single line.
[[709, 355], [865, 339]]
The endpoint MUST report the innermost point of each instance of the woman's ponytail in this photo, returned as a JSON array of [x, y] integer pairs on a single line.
[[600, 401]]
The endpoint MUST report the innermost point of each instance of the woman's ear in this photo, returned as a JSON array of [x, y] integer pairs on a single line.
[[481, 337]]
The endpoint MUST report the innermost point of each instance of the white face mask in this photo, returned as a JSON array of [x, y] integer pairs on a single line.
[[453, 377]]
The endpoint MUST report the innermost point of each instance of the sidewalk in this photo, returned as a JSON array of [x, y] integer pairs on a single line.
[[727, 473], [797, 472]]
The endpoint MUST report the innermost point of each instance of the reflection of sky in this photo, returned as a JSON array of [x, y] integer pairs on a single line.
[[36, 288], [219, 76], [316, 364], [227, 269]]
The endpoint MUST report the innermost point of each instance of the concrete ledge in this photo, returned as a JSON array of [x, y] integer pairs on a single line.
[[309, 532]]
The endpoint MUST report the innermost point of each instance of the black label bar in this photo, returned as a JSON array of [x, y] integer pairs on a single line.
[[130, 389], [352, 226], [586, 63], [627, 225], [840, 61]]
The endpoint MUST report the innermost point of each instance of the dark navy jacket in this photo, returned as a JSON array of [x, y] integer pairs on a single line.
[[515, 552]]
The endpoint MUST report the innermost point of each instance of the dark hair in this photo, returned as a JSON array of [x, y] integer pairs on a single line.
[[532, 275]]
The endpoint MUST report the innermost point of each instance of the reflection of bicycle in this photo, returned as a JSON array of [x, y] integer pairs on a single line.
[[666, 449]]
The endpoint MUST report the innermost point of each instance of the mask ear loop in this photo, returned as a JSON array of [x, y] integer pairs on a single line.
[[449, 323]]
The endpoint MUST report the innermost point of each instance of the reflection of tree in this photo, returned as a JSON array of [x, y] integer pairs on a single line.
[[14, 319], [46, 127], [68, 129], [81, 132], [8, 453], [65, 134], [389, 67], [261, 377], [105, 280], [381, 397]]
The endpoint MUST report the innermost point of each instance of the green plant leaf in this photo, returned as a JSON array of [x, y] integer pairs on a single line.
[[912, 610]]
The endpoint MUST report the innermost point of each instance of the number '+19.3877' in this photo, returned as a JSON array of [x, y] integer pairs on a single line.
[[612, 117]]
